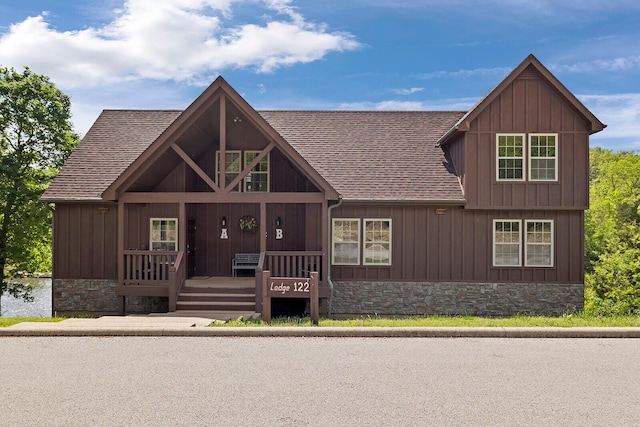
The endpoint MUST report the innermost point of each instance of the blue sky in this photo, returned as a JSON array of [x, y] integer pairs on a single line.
[[329, 54]]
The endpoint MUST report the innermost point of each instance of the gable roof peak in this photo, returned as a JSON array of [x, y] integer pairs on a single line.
[[530, 61]]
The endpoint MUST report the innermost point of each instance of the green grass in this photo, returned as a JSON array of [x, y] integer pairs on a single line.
[[9, 321], [565, 321]]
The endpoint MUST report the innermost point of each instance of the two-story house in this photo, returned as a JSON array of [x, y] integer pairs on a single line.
[[477, 212]]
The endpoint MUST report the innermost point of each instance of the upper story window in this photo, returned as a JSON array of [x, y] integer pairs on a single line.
[[510, 157], [235, 161], [163, 234], [540, 154], [543, 161], [258, 178], [232, 167]]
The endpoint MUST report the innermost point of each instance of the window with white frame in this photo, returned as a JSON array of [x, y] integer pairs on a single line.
[[538, 249], [163, 234], [543, 161], [377, 242], [233, 167], [346, 241], [506, 243], [258, 178], [510, 151]]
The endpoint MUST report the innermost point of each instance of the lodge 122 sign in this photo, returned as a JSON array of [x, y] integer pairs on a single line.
[[290, 287]]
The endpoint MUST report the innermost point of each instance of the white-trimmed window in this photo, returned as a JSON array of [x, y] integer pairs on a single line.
[[258, 178], [377, 242], [543, 159], [233, 167], [506, 243], [538, 249], [163, 234], [510, 151], [346, 241]]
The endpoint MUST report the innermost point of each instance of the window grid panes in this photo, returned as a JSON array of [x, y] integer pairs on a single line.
[[377, 242], [542, 157], [346, 241], [510, 157], [258, 178], [233, 167], [506, 243], [164, 234], [539, 243]]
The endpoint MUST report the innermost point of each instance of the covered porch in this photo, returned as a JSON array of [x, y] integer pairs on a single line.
[[149, 273]]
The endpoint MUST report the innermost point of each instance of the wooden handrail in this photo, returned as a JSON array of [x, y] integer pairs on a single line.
[[176, 280]]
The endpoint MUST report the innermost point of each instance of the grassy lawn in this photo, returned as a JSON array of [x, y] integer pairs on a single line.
[[566, 321], [8, 321]]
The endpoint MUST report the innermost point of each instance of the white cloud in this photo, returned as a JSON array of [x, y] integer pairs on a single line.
[[611, 65], [407, 91], [456, 104], [621, 114], [180, 40], [499, 71]]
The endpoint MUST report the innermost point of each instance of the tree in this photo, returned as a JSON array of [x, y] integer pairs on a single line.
[[36, 137], [613, 234]]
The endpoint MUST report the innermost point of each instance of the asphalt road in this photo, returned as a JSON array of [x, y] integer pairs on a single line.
[[184, 381]]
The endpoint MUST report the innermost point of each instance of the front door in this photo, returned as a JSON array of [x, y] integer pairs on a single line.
[[191, 248]]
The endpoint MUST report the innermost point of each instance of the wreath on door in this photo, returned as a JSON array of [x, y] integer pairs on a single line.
[[248, 223]]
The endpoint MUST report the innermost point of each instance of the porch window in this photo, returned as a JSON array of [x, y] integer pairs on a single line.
[[510, 151], [538, 249], [377, 242], [506, 243], [543, 159], [233, 167], [346, 241], [164, 234], [258, 178]]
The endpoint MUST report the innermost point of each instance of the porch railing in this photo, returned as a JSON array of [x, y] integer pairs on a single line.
[[148, 267], [288, 264], [152, 274]]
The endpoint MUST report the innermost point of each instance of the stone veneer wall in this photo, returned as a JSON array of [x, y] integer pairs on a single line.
[[97, 297], [480, 299]]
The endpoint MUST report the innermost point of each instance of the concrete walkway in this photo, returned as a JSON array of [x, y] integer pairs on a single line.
[[198, 326]]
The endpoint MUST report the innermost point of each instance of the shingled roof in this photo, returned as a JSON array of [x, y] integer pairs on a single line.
[[374, 155], [363, 155]]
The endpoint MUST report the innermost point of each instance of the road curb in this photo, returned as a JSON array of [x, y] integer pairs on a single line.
[[328, 332]]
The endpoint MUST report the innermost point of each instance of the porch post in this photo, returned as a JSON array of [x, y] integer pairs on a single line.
[[263, 227], [222, 166], [120, 251], [325, 239]]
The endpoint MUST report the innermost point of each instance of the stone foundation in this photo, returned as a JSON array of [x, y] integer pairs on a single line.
[[96, 297], [479, 299]]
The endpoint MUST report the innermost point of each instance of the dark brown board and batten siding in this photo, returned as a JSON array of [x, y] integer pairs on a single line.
[[84, 241], [528, 105], [457, 246]]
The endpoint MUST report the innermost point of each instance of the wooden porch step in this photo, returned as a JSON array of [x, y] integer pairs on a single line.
[[216, 297], [218, 290], [219, 306]]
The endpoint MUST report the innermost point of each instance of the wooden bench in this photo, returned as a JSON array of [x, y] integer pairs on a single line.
[[244, 262]]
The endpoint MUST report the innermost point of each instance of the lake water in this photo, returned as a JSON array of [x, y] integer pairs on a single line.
[[40, 307]]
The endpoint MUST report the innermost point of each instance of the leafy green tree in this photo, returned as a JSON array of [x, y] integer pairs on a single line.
[[613, 234], [36, 136]]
